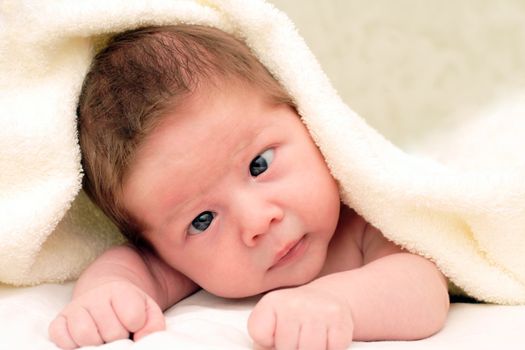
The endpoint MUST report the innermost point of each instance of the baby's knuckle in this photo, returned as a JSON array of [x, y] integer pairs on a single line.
[[332, 309], [84, 334], [133, 320], [296, 304], [113, 334]]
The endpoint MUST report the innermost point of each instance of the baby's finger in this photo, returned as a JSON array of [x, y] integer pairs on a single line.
[[261, 325], [59, 334], [108, 324], [130, 308], [287, 333], [155, 320], [82, 328], [339, 338], [313, 336]]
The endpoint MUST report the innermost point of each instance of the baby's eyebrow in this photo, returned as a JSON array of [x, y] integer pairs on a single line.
[[255, 134], [243, 146], [175, 213]]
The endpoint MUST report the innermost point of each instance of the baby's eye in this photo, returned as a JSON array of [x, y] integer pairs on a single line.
[[260, 163], [201, 222]]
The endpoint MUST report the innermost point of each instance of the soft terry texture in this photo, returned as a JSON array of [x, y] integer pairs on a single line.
[[467, 212]]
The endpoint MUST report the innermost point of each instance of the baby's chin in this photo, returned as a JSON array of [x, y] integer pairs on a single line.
[[237, 292], [240, 294], [234, 294], [239, 287]]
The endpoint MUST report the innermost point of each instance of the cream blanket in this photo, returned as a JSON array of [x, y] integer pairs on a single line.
[[466, 211]]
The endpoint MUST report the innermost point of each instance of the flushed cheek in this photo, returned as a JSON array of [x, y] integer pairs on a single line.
[[319, 203], [234, 285], [225, 276]]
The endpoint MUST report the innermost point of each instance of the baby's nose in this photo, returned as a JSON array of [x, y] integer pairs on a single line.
[[257, 217]]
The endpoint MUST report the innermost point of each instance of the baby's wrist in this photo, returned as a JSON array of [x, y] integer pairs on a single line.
[[106, 283]]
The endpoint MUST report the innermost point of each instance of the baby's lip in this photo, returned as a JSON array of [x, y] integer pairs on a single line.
[[283, 252]]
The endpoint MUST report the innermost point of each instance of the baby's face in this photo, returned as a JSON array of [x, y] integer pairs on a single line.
[[234, 193]]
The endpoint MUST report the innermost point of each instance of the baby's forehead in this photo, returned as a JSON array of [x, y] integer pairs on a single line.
[[218, 96], [209, 121]]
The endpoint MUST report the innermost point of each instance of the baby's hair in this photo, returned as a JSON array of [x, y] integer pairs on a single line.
[[138, 78]]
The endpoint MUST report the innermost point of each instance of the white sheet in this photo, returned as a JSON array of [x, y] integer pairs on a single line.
[[207, 322]]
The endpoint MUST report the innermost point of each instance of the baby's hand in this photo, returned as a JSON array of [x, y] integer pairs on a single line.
[[301, 318], [106, 313]]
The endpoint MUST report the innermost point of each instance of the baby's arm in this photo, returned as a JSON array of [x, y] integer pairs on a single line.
[[124, 291], [395, 295]]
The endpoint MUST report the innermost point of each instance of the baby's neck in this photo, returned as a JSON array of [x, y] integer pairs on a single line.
[[344, 251]]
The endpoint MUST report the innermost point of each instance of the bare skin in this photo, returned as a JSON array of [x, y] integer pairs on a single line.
[[264, 198]]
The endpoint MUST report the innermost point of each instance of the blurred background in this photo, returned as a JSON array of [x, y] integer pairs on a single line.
[[411, 67]]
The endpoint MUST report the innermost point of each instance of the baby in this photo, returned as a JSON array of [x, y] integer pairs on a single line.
[[200, 158]]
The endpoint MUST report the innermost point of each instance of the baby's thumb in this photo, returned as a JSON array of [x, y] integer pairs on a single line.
[[261, 325], [155, 321]]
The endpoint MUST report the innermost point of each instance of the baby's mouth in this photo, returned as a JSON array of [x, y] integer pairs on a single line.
[[289, 252]]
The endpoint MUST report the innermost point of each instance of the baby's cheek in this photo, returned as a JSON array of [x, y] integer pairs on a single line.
[[231, 287]]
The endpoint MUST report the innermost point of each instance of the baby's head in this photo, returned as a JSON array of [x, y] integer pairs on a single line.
[[191, 147]]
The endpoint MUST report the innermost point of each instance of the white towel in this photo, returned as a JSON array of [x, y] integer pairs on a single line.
[[467, 216]]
